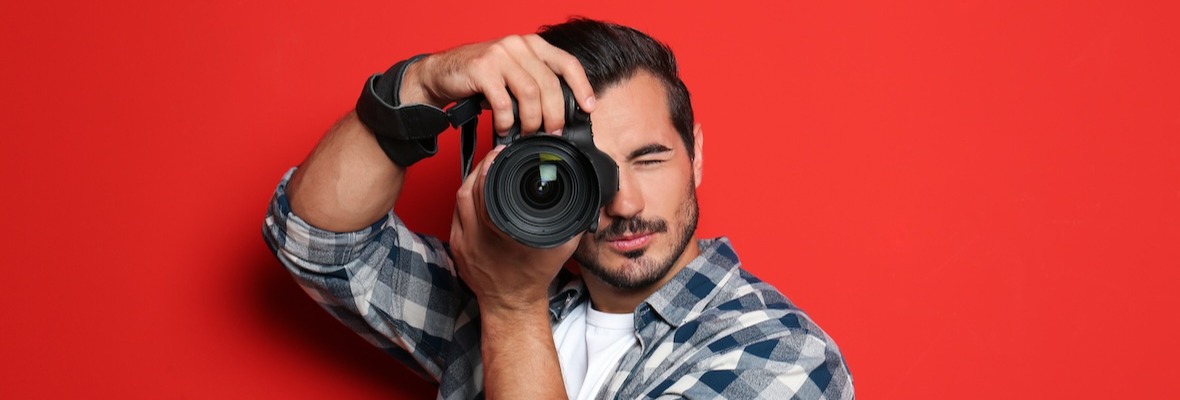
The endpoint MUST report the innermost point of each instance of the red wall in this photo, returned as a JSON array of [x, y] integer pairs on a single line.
[[976, 199]]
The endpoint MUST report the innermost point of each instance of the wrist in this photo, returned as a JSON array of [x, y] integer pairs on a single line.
[[513, 310], [413, 89], [498, 322], [406, 133]]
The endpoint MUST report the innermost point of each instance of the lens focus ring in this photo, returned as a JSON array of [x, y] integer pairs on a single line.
[[541, 190]]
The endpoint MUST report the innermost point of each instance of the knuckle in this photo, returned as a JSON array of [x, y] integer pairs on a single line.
[[511, 41], [557, 121], [503, 120], [502, 116], [535, 41], [528, 90], [482, 61], [549, 82], [574, 69], [499, 102], [571, 63], [494, 51]]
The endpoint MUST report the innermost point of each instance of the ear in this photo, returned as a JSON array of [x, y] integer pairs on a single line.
[[698, 159]]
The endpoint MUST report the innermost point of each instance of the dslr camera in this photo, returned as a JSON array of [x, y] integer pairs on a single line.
[[542, 190]]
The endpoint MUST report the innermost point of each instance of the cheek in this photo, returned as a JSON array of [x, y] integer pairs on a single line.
[[664, 191]]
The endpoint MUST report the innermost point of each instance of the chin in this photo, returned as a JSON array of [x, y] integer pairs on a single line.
[[636, 269]]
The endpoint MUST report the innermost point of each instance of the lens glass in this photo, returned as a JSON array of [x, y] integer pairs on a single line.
[[541, 191], [541, 186]]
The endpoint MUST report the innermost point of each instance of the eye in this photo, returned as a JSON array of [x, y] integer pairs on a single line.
[[649, 162]]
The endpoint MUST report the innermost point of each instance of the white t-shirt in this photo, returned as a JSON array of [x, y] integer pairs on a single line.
[[589, 346]]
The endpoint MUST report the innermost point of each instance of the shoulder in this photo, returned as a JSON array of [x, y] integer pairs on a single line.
[[716, 301], [750, 341], [748, 309]]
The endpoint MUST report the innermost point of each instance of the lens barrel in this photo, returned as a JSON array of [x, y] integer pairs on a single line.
[[542, 190]]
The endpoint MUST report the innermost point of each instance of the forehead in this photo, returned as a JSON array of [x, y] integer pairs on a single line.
[[633, 114]]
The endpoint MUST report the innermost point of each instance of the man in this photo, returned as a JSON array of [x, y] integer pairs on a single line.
[[654, 313]]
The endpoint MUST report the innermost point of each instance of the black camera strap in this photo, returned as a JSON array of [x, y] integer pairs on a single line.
[[465, 115], [408, 133]]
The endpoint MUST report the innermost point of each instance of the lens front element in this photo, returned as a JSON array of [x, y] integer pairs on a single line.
[[542, 187], [541, 191]]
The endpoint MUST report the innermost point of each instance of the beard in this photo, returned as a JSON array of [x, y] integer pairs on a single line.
[[640, 269]]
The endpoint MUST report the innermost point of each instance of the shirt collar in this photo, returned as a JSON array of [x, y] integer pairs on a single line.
[[675, 302], [686, 294], [566, 291]]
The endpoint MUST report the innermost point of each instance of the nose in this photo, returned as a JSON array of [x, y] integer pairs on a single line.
[[628, 201]]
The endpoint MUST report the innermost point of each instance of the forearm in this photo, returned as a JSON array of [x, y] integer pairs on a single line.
[[519, 357], [346, 182]]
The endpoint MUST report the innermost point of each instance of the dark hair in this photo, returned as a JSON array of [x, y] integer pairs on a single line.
[[611, 53]]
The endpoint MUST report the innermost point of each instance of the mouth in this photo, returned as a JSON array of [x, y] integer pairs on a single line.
[[630, 242]]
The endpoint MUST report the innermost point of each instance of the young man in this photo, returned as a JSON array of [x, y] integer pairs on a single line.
[[654, 312]]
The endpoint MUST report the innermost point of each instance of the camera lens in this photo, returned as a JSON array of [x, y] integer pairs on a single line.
[[542, 190], [541, 187]]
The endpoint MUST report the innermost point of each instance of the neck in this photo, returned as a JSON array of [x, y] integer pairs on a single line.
[[611, 299]]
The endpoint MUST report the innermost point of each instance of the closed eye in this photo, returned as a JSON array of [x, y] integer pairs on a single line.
[[654, 149]]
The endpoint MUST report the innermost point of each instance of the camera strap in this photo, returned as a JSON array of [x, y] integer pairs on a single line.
[[408, 133], [464, 115]]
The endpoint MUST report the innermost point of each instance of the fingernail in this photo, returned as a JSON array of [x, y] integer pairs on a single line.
[[590, 101], [498, 147], [556, 132]]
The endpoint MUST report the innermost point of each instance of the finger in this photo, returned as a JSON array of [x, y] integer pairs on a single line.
[[478, 192], [552, 101], [456, 227], [527, 92], [568, 67], [464, 204], [572, 244], [457, 240], [495, 93]]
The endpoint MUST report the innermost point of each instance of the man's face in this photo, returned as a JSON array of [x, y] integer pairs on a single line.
[[643, 232]]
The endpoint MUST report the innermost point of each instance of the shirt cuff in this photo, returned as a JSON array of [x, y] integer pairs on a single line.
[[286, 233]]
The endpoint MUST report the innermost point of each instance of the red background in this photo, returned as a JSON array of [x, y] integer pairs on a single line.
[[976, 199]]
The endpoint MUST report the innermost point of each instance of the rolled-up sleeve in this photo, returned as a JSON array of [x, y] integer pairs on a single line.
[[396, 288]]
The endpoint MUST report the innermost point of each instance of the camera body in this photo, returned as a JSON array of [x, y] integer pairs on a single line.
[[544, 189]]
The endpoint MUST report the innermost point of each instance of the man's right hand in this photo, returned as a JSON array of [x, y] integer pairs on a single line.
[[526, 66]]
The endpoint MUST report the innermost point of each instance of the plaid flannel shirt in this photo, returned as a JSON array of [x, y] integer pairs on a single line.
[[713, 331]]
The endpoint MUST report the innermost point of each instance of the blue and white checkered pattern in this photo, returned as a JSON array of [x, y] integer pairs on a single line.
[[713, 331]]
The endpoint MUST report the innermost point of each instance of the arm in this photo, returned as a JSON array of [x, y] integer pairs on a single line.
[[511, 282], [347, 183], [520, 360]]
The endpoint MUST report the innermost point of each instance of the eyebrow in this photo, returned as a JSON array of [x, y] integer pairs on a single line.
[[649, 149]]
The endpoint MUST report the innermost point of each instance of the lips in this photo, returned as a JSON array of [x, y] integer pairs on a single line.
[[629, 242]]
